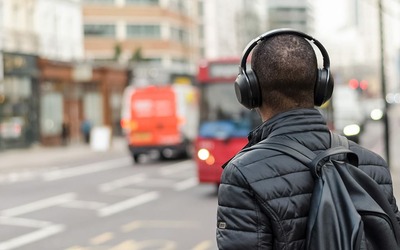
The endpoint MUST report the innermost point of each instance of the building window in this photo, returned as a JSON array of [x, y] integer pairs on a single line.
[[178, 5], [143, 2], [99, 1], [91, 103], [15, 108], [102, 30], [154, 60], [180, 35], [143, 31], [51, 110]]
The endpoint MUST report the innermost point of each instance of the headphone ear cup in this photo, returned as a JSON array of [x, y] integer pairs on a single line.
[[248, 90], [323, 88], [242, 90], [255, 89]]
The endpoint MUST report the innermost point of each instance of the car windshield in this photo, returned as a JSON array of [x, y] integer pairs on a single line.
[[221, 115]]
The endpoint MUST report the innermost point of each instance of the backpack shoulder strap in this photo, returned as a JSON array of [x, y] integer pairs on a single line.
[[341, 141], [338, 140], [289, 147], [305, 155]]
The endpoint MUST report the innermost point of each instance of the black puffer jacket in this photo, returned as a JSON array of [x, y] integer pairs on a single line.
[[264, 196]]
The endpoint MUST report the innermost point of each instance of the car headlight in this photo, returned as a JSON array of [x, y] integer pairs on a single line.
[[203, 154], [351, 130], [376, 114]]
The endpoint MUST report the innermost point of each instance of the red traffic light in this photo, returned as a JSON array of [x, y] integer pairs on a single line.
[[364, 84], [353, 83]]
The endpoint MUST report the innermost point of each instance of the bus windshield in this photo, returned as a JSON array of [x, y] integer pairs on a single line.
[[221, 115]]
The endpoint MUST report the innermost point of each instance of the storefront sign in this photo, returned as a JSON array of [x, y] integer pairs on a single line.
[[19, 64]]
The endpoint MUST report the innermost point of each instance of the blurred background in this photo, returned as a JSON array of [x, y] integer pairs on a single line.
[[116, 115]]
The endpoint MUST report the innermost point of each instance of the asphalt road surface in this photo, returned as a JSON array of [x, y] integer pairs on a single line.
[[109, 205]]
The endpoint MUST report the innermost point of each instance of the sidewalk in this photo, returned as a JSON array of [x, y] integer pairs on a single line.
[[58, 156]]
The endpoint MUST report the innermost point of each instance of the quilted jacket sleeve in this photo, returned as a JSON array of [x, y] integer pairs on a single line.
[[240, 223], [378, 169]]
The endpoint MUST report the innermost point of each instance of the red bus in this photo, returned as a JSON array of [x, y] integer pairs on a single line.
[[224, 124]]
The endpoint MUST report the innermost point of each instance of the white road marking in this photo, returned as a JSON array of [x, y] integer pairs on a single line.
[[186, 184], [22, 222], [123, 182], [37, 205], [157, 182], [31, 237], [127, 192], [134, 225], [84, 204], [127, 204], [86, 169], [175, 168], [18, 177]]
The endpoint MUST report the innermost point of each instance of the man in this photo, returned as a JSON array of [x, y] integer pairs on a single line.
[[264, 195]]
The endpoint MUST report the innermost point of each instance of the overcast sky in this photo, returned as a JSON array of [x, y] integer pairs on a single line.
[[330, 15]]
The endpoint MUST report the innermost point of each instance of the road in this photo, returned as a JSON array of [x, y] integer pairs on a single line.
[[109, 204]]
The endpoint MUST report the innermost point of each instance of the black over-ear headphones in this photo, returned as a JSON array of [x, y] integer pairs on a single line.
[[248, 90]]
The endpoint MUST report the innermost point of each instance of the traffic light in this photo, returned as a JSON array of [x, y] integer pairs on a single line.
[[359, 86], [354, 84], [364, 84]]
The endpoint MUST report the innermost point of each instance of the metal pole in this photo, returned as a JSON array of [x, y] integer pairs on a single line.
[[383, 82]]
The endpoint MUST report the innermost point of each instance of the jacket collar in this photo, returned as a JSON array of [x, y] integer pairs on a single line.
[[292, 121]]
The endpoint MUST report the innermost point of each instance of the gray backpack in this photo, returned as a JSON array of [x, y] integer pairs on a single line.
[[348, 209]]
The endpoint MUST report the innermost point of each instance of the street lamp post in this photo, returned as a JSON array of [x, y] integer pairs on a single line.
[[383, 82]]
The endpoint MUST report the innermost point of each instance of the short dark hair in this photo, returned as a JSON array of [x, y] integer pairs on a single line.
[[286, 69]]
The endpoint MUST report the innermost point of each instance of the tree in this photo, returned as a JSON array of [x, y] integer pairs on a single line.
[[117, 51], [137, 56]]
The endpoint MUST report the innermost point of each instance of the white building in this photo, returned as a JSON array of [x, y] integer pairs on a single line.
[[353, 40], [228, 25], [48, 28], [297, 15]]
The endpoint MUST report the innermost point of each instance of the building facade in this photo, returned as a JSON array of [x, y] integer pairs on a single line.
[[71, 93], [46, 85], [297, 15], [163, 32], [30, 30], [49, 28], [19, 100], [226, 33]]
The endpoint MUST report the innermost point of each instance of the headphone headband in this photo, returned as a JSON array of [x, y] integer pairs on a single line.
[[283, 31]]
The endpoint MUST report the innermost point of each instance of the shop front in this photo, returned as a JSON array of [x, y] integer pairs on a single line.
[[112, 82], [73, 94], [19, 101], [55, 82]]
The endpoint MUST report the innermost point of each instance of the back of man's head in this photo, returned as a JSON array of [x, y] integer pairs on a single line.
[[286, 69]]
